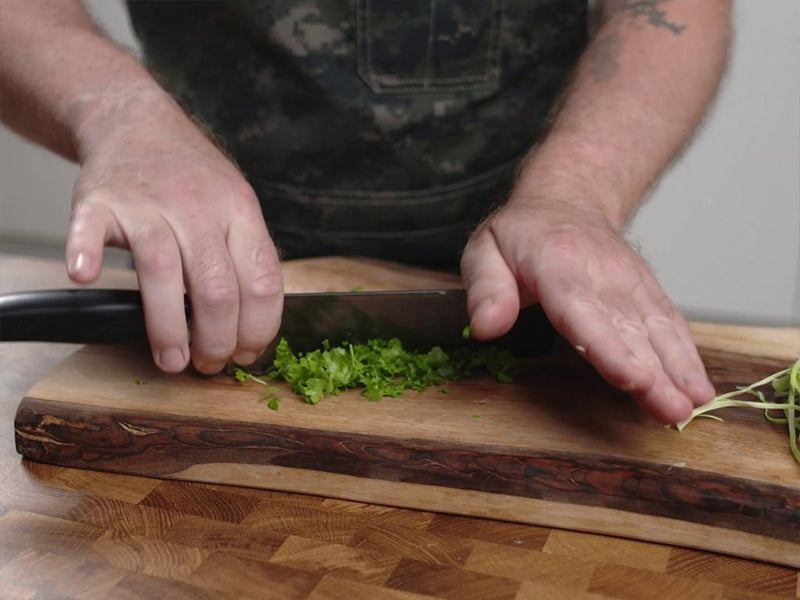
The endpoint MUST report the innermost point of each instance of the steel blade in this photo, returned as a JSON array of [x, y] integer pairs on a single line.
[[419, 318]]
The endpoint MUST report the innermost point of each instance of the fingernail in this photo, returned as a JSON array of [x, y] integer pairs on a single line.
[[172, 359], [681, 406], [209, 368], [698, 388], [77, 263], [245, 358]]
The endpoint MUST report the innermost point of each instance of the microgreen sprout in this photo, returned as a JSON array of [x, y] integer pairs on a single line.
[[785, 399]]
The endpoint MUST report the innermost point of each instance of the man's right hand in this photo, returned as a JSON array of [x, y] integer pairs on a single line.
[[150, 181]]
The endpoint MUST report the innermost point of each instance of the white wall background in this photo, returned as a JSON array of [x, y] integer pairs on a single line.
[[721, 230]]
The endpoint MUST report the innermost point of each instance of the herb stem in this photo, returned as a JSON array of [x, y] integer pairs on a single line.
[[785, 384]]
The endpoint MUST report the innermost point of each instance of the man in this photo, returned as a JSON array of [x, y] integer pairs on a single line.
[[362, 141]]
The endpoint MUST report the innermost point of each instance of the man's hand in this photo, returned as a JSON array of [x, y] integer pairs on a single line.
[[151, 182], [635, 98], [598, 293]]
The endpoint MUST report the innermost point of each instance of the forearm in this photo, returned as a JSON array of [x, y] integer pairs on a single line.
[[637, 94], [60, 78]]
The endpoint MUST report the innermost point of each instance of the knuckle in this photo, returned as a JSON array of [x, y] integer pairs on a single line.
[[660, 322], [264, 286], [196, 198], [666, 307], [658, 307], [212, 278], [152, 249], [567, 316], [215, 285], [618, 263], [567, 290], [190, 199], [217, 291], [264, 257], [629, 325], [241, 191], [588, 306], [263, 277], [238, 194]]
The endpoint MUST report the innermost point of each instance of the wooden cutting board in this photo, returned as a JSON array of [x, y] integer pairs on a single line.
[[557, 447]]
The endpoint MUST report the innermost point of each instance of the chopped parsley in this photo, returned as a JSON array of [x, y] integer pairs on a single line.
[[272, 401], [381, 368]]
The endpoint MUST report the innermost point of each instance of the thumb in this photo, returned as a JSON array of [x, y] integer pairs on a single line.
[[88, 232], [493, 299]]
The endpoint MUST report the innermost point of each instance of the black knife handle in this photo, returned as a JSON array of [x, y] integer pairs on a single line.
[[80, 316]]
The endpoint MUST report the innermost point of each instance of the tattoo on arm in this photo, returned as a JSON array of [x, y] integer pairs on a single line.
[[607, 46], [652, 12]]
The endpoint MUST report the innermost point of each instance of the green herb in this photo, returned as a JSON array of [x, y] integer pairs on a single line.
[[241, 376], [786, 399], [474, 416], [272, 401], [138, 381], [358, 288], [466, 333], [270, 395], [382, 368]]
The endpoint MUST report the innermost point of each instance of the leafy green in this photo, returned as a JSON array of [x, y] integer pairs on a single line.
[[786, 400], [381, 368], [271, 398]]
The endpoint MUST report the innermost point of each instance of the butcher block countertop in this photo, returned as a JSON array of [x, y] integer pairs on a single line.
[[287, 530]]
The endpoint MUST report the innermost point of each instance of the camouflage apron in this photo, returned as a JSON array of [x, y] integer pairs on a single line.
[[382, 128]]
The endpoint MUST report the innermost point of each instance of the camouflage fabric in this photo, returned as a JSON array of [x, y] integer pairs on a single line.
[[383, 128]]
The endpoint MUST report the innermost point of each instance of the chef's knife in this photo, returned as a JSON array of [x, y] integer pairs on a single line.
[[420, 319]]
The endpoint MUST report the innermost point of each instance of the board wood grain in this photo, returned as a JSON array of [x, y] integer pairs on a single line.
[[557, 447]]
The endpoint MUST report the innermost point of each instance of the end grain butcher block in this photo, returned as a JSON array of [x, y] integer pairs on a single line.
[[557, 447]]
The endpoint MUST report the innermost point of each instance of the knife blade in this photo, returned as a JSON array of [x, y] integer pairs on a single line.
[[419, 318]]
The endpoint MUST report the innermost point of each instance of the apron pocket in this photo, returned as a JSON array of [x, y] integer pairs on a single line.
[[430, 45]]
